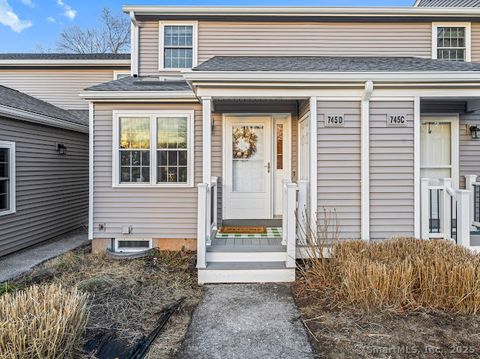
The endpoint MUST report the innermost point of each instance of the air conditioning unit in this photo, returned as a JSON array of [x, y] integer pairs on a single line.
[[130, 245]]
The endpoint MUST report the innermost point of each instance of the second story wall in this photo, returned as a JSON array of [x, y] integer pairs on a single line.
[[217, 38]]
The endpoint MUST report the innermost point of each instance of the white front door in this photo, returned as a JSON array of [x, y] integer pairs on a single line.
[[247, 187], [439, 148]]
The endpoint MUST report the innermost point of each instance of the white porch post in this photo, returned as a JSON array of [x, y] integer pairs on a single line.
[[445, 214], [202, 225], [425, 208], [469, 181], [416, 176], [207, 139], [365, 161], [291, 189], [313, 160], [463, 218]]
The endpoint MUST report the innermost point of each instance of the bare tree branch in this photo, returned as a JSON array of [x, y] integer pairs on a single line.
[[113, 36]]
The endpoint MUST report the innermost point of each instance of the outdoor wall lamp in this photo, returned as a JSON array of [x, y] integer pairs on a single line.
[[475, 132], [61, 148]]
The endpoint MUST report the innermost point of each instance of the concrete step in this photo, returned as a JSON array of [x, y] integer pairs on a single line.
[[246, 272]]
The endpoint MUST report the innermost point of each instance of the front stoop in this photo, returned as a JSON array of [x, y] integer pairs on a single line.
[[246, 272]]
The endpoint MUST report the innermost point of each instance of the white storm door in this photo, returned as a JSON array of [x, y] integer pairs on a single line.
[[281, 163], [439, 149], [248, 168]]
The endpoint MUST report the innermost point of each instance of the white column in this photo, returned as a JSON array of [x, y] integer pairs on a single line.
[[416, 175], [313, 160], [365, 169], [291, 224], [207, 139], [91, 167], [469, 181], [425, 213], [445, 215], [202, 225], [302, 210], [463, 218]]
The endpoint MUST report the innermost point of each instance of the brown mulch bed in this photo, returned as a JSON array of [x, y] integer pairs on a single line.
[[126, 296], [339, 330]]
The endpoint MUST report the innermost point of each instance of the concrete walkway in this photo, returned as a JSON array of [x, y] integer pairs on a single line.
[[16, 264], [246, 321]]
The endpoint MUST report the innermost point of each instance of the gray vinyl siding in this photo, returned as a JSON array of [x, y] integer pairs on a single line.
[[51, 189], [469, 149], [149, 43], [338, 166], [60, 87], [153, 212], [475, 42], [391, 171]]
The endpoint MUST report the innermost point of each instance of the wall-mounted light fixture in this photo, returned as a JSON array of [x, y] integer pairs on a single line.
[[475, 132], [61, 148]]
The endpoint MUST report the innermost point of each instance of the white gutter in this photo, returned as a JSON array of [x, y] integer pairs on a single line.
[[320, 77], [304, 11], [41, 119], [65, 63]]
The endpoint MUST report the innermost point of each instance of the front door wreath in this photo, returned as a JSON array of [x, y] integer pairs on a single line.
[[244, 142]]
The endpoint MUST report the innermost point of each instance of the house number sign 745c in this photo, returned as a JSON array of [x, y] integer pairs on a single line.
[[397, 120], [334, 120]]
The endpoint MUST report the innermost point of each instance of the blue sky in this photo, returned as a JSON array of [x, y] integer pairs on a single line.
[[29, 25]]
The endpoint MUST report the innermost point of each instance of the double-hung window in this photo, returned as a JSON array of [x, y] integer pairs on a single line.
[[7, 177], [153, 148], [451, 41], [178, 45]]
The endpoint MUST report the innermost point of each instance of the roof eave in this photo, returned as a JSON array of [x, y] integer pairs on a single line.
[[64, 63], [41, 119], [177, 96]]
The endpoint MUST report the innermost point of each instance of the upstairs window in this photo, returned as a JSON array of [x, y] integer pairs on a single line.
[[7, 177], [451, 41], [178, 46]]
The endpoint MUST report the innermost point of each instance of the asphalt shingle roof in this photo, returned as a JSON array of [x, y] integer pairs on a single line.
[[332, 64], [145, 83], [448, 3], [21, 101], [60, 56]]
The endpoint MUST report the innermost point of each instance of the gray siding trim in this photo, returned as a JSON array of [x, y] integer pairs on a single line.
[[391, 172], [51, 189], [338, 167]]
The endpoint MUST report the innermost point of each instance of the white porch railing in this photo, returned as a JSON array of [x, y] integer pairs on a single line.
[[445, 212], [473, 186], [206, 218]]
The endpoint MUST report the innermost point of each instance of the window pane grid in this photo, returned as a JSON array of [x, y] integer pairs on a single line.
[[178, 46], [172, 153], [451, 43], [134, 150], [4, 179]]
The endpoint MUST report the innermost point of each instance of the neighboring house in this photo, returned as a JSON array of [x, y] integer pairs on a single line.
[[43, 171], [44, 145], [257, 116]]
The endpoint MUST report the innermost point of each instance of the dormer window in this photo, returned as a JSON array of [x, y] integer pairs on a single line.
[[178, 48], [451, 41]]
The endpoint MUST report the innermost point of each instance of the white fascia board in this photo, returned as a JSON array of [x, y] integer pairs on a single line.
[[319, 77], [299, 11], [138, 95], [41, 119], [65, 63]]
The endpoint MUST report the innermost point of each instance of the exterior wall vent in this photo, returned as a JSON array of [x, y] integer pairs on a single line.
[[124, 245]]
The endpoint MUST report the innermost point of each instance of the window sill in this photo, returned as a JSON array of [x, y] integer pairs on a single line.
[[5, 213], [159, 185]]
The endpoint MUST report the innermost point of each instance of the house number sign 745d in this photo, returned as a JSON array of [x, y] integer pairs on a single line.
[[334, 120], [397, 120]]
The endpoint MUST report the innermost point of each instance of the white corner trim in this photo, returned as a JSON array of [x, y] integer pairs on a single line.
[[134, 41], [468, 37], [313, 159], [41, 119], [91, 167], [161, 26], [152, 115], [207, 139], [365, 169], [12, 167], [417, 157]]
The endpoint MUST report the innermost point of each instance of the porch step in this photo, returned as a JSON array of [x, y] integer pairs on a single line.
[[245, 255], [246, 272]]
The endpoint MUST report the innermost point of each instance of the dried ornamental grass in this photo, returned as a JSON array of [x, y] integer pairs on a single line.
[[41, 322]]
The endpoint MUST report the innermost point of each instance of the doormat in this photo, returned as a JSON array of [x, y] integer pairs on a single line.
[[242, 230]]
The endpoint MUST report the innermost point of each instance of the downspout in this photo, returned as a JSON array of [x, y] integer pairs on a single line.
[[365, 161], [134, 40]]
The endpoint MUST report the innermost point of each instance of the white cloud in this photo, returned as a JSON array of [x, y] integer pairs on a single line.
[[67, 10], [28, 3], [10, 19], [51, 20]]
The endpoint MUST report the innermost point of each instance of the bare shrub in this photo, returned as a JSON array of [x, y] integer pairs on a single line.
[[400, 273], [41, 322]]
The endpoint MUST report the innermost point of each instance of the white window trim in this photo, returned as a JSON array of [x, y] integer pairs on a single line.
[[12, 177], [153, 147], [468, 37], [120, 72], [162, 25]]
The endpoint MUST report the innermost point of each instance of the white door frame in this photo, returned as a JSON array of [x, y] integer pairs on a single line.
[[272, 132], [304, 120], [454, 120]]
